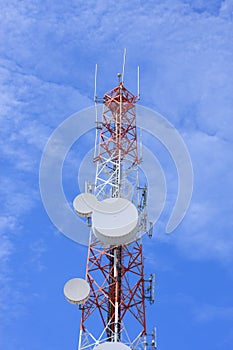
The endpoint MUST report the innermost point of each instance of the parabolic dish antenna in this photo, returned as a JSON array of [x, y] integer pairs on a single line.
[[84, 204], [112, 346], [115, 221], [112, 205], [77, 291]]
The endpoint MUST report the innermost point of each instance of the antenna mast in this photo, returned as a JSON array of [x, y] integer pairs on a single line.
[[114, 311]]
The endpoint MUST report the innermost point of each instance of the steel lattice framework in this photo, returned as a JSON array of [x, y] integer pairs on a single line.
[[123, 285], [117, 151], [115, 310]]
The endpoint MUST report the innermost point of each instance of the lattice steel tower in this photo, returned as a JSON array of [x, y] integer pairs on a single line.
[[112, 296]]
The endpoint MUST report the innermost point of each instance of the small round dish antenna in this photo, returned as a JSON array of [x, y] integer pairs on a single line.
[[77, 291], [112, 346], [84, 204], [115, 221]]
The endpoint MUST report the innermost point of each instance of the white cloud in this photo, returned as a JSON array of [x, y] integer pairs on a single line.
[[38, 248], [184, 48], [30, 109], [200, 311], [208, 312], [226, 10], [6, 247]]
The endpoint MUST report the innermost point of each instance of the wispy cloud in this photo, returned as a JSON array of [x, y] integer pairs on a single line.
[[38, 248], [47, 56], [29, 112], [6, 224], [187, 47], [208, 313], [200, 311]]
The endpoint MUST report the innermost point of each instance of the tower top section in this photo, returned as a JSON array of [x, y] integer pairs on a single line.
[[116, 151], [120, 95]]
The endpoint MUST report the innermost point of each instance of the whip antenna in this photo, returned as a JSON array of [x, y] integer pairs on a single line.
[[138, 83], [123, 68], [95, 83], [96, 109]]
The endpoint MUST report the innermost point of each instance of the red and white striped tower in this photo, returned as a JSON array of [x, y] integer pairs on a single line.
[[115, 310]]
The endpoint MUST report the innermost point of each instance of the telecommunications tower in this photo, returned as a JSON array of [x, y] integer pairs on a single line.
[[112, 297]]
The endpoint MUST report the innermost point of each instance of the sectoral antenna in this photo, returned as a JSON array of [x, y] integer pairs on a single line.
[[88, 187], [142, 204], [150, 289], [150, 231], [152, 336], [143, 199]]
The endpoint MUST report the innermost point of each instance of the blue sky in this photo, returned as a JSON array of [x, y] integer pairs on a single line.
[[48, 51]]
